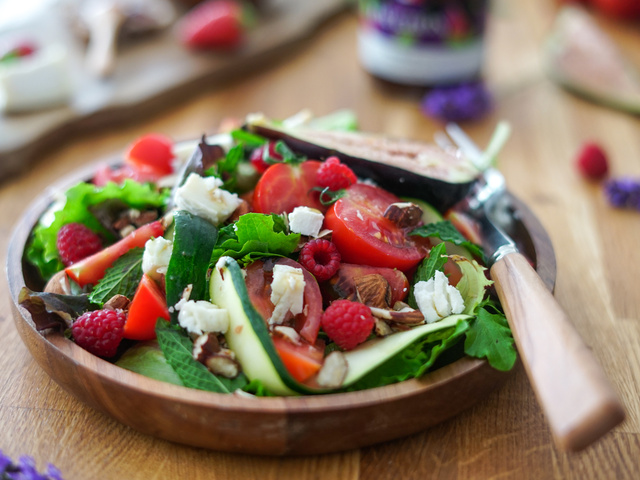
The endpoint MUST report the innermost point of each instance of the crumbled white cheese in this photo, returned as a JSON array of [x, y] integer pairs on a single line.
[[156, 256], [287, 292], [437, 299], [306, 221], [203, 197], [201, 316]]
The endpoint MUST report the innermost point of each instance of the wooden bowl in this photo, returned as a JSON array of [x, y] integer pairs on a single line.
[[271, 426]]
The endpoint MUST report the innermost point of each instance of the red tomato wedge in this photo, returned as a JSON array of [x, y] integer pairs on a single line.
[[258, 280], [152, 152], [364, 236], [283, 187], [91, 269], [148, 304]]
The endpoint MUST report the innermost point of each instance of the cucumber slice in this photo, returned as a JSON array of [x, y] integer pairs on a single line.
[[248, 335], [193, 241], [374, 353]]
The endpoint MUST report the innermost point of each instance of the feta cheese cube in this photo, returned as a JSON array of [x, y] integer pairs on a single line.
[[437, 299], [201, 316], [287, 292], [306, 221], [203, 197], [156, 256]]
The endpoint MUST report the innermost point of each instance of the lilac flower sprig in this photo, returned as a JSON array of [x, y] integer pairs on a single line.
[[623, 192], [25, 469], [457, 103]]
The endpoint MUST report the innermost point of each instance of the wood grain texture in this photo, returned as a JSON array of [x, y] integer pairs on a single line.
[[506, 435]]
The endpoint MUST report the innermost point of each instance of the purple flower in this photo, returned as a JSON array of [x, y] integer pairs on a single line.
[[457, 103], [623, 192], [25, 469]]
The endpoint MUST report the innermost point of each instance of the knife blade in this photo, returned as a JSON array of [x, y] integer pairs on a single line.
[[578, 400]]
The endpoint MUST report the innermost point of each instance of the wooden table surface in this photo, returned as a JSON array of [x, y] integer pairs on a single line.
[[505, 436]]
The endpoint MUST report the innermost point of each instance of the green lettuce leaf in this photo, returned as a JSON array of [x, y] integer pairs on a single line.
[[490, 337], [42, 251], [177, 348], [255, 235], [121, 279]]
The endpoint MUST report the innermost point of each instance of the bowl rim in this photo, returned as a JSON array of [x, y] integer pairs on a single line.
[[236, 402]]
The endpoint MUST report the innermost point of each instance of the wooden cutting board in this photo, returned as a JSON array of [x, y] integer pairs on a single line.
[[150, 72]]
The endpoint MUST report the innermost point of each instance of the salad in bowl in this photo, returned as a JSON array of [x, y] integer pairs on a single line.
[[273, 259]]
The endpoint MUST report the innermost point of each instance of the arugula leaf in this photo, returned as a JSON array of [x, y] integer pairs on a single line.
[[490, 337], [42, 251], [427, 269], [177, 348], [447, 232], [121, 279], [255, 235]]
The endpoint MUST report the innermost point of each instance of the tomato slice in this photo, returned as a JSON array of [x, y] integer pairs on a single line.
[[364, 236], [283, 187], [90, 270], [152, 152], [301, 360], [147, 306], [258, 281]]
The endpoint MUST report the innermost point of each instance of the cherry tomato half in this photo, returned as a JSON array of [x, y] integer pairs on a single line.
[[364, 236], [283, 187], [152, 152]]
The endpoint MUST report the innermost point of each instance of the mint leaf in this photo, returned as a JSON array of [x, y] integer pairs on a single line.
[[226, 167], [288, 156], [255, 235], [490, 337], [447, 232], [427, 269], [177, 348], [121, 279]]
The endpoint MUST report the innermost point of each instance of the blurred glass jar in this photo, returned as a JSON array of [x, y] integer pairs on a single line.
[[422, 42]]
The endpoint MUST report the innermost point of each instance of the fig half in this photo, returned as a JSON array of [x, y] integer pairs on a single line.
[[404, 167]]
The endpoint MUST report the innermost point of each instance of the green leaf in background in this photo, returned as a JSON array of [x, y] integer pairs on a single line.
[[447, 232], [177, 349], [490, 337], [121, 279], [42, 251], [248, 139], [427, 269]]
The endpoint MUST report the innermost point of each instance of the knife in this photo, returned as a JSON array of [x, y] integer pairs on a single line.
[[577, 398]]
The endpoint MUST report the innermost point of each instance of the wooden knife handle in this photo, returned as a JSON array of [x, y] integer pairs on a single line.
[[579, 402]]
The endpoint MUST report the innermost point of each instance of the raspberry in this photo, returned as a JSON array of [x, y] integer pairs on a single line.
[[76, 241], [335, 175], [261, 154], [347, 323], [592, 162], [321, 258], [99, 331]]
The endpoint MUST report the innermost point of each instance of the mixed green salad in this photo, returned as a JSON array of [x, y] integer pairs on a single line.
[[244, 262]]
